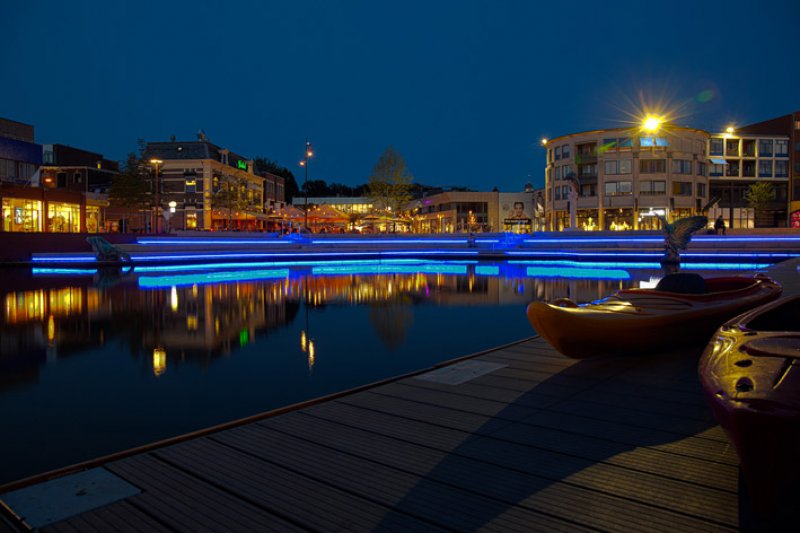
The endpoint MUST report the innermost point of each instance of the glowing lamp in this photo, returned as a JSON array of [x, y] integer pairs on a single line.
[[159, 361], [651, 124]]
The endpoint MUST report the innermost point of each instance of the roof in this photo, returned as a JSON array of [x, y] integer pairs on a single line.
[[189, 150]]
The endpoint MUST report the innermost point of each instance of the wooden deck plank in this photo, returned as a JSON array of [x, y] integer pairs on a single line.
[[186, 503], [437, 415], [510, 460], [121, 517], [362, 485], [317, 505], [514, 488], [646, 459]]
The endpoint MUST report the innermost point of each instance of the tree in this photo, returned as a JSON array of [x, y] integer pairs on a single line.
[[129, 188], [390, 182], [231, 194], [759, 196], [262, 164]]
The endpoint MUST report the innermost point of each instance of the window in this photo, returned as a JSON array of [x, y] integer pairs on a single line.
[[715, 146], [732, 147], [701, 169], [565, 151], [190, 185], [701, 190], [588, 190], [781, 148], [781, 169], [624, 166], [749, 147], [733, 168], [616, 188], [558, 173], [682, 188], [587, 171], [765, 147], [191, 218], [647, 142], [653, 166], [558, 193], [558, 153], [749, 168], [625, 143], [77, 178], [608, 145], [653, 188], [565, 170], [681, 166], [717, 170], [611, 167]]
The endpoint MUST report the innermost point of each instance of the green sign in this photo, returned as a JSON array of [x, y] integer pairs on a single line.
[[241, 164]]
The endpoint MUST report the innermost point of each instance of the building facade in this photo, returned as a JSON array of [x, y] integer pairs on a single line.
[[788, 127], [621, 178], [213, 188], [737, 160], [468, 211], [89, 174]]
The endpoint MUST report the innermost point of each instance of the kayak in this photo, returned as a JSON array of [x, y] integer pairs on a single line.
[[638, 321], [750, 374]]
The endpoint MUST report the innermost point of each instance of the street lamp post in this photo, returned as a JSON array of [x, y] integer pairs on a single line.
[[156, 162], [304, 163]]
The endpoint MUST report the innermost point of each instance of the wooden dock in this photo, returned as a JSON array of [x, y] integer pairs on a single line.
[[540, 442]]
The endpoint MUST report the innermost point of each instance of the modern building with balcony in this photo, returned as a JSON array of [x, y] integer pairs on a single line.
[[625, 176]]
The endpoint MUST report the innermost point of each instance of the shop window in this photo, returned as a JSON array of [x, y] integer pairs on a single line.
[[63, 218], [93, 221], [22, 215], [191, 219]]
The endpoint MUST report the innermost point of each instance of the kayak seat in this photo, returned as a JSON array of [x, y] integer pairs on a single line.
[[683, 283]]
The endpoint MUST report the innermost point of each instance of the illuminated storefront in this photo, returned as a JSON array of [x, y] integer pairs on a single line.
[[22, 215], [63, 217]]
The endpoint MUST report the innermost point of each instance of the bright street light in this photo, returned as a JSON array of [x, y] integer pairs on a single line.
[[651, 124]]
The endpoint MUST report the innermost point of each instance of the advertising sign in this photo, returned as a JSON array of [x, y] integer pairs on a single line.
[[795, 219]]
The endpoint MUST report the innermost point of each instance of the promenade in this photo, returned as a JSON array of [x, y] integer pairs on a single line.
[[518, 438]]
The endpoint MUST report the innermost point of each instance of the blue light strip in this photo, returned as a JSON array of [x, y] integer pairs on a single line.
[[390, 269], [210, 277], [647, 266], [487, 270], [69, 259], [71, 271], [390, 241], [487, 241], [221, 266], [209, 241], [751, 255], [623, 238], [578, 273]]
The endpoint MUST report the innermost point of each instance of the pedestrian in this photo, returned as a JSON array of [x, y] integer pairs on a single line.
[[719, 224]]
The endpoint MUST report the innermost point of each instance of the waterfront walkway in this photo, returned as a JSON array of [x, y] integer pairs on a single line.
[[516, 439]]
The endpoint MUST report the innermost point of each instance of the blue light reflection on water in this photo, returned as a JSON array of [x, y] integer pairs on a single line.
[[79, 362]]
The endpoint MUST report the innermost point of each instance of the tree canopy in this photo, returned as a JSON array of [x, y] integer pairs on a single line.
[[390, 182]]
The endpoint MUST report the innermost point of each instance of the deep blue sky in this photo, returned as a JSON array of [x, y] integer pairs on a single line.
[[463, 89]]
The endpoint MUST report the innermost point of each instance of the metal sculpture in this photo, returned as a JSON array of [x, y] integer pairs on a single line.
[[676, 238]]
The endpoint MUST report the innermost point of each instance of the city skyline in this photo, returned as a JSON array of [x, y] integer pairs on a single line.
[[465, 91]]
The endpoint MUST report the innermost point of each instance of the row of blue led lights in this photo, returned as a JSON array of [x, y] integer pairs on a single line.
[[538, 269], [389, 253], [478, 240]]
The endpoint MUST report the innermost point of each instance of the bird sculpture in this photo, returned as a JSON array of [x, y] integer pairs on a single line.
[[677, 236]]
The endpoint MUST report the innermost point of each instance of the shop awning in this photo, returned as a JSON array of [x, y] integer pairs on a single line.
[[718, 160]]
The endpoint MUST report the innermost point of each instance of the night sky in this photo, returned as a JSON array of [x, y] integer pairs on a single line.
[[464, 90]]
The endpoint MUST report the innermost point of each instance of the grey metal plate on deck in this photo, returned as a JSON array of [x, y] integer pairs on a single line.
[[61, 498], [460, 372]]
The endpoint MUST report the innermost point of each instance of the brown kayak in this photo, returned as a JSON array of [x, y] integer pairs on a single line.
[[640, 321]]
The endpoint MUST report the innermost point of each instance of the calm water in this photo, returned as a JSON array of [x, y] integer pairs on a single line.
[[95, 363]]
